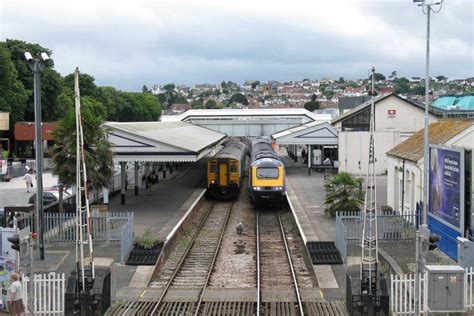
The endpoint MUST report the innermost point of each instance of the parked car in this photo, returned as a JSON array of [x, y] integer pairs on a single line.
[[55, 187], [49, 197]]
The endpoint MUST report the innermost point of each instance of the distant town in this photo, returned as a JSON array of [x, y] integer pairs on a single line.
[[321, 96]]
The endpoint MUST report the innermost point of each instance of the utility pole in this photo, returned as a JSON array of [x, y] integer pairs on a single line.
[[36, 65], [425, 5]]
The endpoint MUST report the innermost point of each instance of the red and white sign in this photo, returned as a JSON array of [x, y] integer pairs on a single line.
[[392, 112]]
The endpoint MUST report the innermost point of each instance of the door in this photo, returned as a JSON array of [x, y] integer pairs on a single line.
[[223, 174]]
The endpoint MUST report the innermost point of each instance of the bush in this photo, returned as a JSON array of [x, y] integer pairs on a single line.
[[343, 193], [147, 240]]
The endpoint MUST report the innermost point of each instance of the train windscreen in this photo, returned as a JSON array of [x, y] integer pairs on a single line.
[[267, 173]]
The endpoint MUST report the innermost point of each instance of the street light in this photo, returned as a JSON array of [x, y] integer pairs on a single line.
[[426, 6], [37, 65]]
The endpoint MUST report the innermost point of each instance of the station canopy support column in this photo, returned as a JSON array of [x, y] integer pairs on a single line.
[[136, 177]]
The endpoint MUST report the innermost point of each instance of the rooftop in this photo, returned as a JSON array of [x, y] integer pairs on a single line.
[[465, 102], [439, 133]]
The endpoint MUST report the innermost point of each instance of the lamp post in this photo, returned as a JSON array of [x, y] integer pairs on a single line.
[[426, 6], [37, 65]]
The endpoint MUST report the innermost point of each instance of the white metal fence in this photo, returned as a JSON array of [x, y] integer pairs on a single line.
[[391, 226], [402, 293], [48, 294], [109, 227]]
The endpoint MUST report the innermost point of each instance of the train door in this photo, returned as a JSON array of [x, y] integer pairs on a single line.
[[223, 174]]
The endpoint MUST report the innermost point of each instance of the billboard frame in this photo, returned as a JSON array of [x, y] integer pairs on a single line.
[[462, 171]]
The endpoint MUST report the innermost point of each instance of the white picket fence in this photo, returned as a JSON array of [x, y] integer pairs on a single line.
[[48, 294], [402, 293]]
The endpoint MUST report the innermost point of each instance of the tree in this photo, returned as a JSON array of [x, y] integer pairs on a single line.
[[341, 80], [441, 78], [145, 89], [419, 90], [13, 96], [393, 75], [255, 84], [402, 85], [112, 100], [329, 94], [211, 104], [140, 107], [98, 153], [311, 105], [343, 193], [169, 87], [51, 81], [223, 85], [378, 77], [87, 85], [239, 98]]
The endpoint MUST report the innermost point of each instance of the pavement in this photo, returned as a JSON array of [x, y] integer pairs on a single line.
[[14, 192]]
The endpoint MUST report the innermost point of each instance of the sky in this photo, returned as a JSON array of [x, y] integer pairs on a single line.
[[128, 44]]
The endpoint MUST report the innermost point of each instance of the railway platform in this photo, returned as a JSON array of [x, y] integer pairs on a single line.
[[306, 194]]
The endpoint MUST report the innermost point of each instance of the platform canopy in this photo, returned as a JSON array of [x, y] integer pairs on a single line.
[[161, 141], [313, 133]]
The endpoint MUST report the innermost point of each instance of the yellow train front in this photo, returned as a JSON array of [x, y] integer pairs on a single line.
[[225, 171], [266, 173]]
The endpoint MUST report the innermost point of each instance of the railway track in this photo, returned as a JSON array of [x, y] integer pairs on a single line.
[[275, 269], [207, 276], [195, 267]]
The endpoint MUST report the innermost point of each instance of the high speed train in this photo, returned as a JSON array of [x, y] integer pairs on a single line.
[[225, 171], [266, 173]]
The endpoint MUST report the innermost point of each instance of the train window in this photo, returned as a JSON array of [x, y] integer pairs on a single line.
[[233, 168], [213, 168], [267, 173]]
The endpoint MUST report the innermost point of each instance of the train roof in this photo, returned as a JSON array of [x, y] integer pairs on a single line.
[[231, 150], [262, 148]]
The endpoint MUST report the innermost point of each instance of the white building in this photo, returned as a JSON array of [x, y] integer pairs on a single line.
[[396, 119], [405, 161]]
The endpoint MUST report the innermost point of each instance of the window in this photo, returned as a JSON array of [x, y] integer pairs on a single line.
[[213, 168], [233, 168], [267, 173], [358, 122]]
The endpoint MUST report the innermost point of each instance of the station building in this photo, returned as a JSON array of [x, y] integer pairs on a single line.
[[451, 196], [396, 119]]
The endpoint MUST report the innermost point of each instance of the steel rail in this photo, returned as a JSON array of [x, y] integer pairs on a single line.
[[293, 274], [201, 295], [258, 266], [191, 243]]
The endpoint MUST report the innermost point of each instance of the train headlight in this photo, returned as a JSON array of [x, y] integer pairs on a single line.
[[213, 181], [256, 188]]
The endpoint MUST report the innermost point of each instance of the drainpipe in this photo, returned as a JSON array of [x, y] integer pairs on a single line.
[[403, 186], [421, 192]]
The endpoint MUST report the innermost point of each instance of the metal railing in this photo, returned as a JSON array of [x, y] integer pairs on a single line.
[[391, 226]]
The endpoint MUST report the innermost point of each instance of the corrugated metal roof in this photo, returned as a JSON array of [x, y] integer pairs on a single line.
[[295, 129], [439, 133], [247, 112], [179, 134]]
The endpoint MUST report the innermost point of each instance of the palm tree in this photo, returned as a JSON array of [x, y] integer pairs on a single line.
[[343, 193], [98, 154]]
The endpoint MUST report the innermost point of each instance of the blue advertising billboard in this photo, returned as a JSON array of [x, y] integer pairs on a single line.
[[446, 186]]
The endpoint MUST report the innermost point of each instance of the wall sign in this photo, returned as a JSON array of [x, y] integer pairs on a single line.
[[392, 112]]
